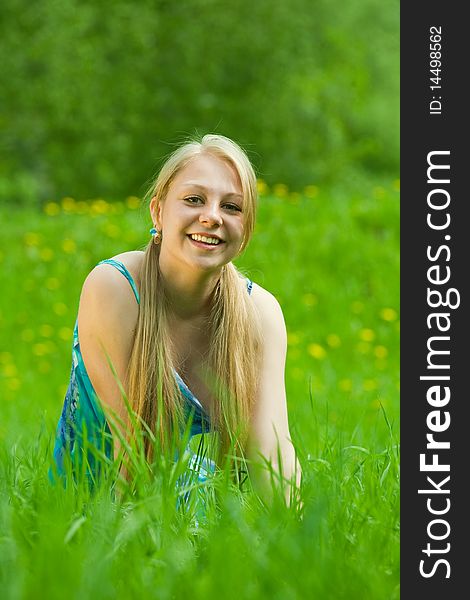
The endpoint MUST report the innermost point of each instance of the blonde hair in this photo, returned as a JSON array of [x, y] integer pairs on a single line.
[[232, 369]]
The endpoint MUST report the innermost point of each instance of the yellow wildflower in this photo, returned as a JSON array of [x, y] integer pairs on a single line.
[[262, 187], [369, 385], [51, 209], [59, 308], [293, 339], [367, 335], [309, 299], [32, 239], [82, 207], [345, 385], [281, 190], [380, 352], [9, 370], [388, 314], [14, 384], [46, 330], [316, 351], [46, 254], [294, 197], [40, 349], [311, 191], [69, 246], [333, 340], [379, 192], [5, 357], [52, 283], [112, 230], [65, 333], [99, 207], [68, 204], [133, 202]]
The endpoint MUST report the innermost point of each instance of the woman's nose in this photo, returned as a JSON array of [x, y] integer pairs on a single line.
[[210, 213]]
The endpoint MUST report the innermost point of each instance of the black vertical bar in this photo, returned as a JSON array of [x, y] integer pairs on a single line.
[[425, 128]]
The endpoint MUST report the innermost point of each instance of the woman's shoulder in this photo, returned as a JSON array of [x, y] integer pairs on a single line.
[[105, 284], [133, 262], [106, 274], [269, 310], [262, 297]]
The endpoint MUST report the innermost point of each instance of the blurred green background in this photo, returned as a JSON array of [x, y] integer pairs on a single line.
[[94, 93]]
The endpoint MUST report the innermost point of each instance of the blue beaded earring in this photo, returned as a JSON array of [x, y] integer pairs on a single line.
[[157, 235]]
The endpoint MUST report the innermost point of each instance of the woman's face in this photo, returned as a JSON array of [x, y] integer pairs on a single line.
[[202, 218]]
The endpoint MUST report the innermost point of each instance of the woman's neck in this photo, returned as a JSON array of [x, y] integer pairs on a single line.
[[189, 292]]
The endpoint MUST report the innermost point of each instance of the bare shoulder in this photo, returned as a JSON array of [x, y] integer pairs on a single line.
[[133, 262], [106, 278], [106, 293], [270, 312], [264, 301]]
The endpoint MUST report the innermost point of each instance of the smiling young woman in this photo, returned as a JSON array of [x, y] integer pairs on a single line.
[[183, 330]]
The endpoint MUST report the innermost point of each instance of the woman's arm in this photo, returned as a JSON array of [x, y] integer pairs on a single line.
[[269, 432], [107, 319]]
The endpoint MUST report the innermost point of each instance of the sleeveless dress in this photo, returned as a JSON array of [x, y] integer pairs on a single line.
[[82, 429]]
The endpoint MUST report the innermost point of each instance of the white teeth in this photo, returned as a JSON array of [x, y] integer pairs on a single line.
[[206, 240]]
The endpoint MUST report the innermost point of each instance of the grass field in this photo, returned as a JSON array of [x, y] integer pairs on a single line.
[[331, 257]]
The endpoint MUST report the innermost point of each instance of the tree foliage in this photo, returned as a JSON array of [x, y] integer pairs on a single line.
[[95, 93]]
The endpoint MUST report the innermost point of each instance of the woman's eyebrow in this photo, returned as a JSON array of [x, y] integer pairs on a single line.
[[194, 184]]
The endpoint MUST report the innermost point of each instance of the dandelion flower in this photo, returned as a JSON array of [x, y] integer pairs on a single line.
[[380, 352], [14, 384], [316, 351], [293, 339], [309, 299], [333, 340], [345, 385], [262, 187], [69, 246], [133, 202], [59, 308], [65, 333], [369, 385], [46, 254], [388, 314], [281, 190], [46, 330], [32, 239], [311, 191], [52, 283], [68, 204], [52, 209], [367, 335]]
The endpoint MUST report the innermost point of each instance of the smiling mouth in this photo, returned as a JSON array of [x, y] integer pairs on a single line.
[[205, 241]]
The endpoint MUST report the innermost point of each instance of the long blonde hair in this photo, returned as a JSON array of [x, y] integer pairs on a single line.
[[233, 361]]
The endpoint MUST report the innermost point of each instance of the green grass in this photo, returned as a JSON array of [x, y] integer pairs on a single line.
[[331, 257]]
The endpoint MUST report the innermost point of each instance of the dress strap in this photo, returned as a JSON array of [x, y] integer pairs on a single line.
[[122, 269]]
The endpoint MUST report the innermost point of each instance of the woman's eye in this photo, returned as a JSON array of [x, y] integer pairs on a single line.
[[233, 207], [193, 199]]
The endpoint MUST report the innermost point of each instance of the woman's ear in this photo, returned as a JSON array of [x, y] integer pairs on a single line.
[[155, 212]]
